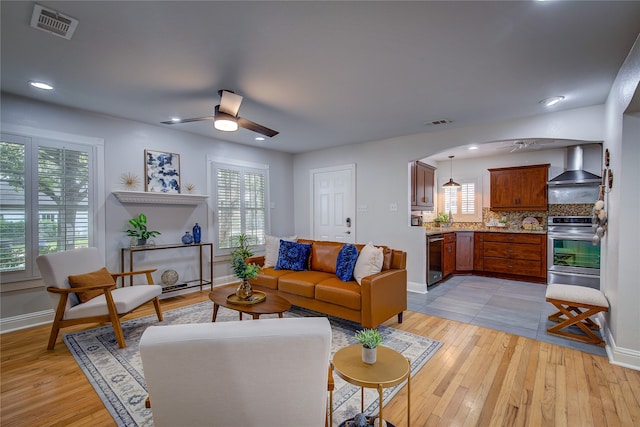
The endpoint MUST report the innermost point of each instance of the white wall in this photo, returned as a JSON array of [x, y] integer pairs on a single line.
[[382, 174], [621, 246], [125, 142]]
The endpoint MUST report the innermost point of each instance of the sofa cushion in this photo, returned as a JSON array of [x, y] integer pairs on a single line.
[[369, 262], [293, 256], [272, 249], [346, 262], [335, 291], [268, 277], [95, 278], [387, 253], [324, 256], [302, 282]]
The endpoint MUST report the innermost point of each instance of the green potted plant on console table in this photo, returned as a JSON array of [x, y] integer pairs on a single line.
[[241, 269], [140, 230]]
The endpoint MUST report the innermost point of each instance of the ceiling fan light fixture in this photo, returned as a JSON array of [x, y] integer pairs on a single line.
[[550, 102], [451, 183], [224, 122]]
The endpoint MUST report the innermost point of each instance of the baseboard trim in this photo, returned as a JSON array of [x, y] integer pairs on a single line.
[[24, 321], [620, 356], [418, 288]]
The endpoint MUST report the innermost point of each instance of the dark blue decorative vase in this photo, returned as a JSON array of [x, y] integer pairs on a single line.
[[187, 239], [196, 233]]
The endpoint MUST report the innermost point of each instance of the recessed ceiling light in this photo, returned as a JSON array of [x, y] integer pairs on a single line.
[[175, 119], [259, 138], [551, 101], [41, 85], [473, 147]]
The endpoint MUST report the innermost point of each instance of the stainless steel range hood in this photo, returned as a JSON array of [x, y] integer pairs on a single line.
[[575, 175]]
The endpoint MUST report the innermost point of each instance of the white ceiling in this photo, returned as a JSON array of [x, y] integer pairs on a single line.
[[322, 73]]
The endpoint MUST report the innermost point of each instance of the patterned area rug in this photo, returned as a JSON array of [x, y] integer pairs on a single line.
[[116, 374]]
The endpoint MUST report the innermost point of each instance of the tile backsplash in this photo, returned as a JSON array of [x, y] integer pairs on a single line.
[[514, 218]]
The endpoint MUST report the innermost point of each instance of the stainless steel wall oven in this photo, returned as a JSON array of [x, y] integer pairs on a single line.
[[572, 257]]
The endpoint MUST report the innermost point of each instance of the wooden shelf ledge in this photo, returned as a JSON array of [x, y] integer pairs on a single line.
[[159, 198]]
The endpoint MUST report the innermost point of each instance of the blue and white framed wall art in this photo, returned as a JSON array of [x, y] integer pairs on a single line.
[[162, 171]]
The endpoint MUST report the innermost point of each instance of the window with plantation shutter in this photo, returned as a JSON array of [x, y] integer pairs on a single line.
[[45, 201], [240, 194], [464, 203]]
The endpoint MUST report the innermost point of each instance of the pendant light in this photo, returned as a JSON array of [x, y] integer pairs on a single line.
[[451, 183]]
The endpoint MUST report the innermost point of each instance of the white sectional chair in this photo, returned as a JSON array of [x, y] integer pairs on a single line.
[[109, 305], [267, 372]]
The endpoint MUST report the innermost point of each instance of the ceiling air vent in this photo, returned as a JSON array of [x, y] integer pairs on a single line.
[[438, 122], [53, 22]]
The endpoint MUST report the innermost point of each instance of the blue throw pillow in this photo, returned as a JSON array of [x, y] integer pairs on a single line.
[[293, 256], [346, 262]]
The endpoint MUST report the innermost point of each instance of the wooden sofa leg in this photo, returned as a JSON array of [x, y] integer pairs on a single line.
[[400, 317]]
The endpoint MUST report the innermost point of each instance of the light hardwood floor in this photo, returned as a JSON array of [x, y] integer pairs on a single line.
[[479, 377]]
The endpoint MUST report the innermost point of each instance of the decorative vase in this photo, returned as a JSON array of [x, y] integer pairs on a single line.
[[187, 239], [142, 242], [244, 290], [369, 355], [196, 233]]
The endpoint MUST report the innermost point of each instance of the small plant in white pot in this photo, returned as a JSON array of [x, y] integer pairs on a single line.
[[370, 340]]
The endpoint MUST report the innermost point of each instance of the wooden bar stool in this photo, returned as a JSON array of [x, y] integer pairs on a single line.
[[578, 304]]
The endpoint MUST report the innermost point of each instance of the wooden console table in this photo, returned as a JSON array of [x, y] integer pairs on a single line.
[[186, 284]]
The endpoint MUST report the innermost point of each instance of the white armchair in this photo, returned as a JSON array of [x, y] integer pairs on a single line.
[[267, 372], [109, 305]]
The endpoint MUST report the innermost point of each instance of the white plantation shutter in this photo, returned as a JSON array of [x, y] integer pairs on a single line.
[[254, 190], [229, 208], [241, 204], [63, 199], [467, 198], [46, 204], [464, 202]]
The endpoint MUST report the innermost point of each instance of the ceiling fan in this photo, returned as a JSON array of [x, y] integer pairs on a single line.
[[225, 116], [523, 144]]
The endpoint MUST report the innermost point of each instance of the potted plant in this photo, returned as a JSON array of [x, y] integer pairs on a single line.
[[370, 339], [140, 230], [442, 218], [241, 269]]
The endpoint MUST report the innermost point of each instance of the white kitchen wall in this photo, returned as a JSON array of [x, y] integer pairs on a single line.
[[125, 142], [478, 167], [382, 174], [620, 269]]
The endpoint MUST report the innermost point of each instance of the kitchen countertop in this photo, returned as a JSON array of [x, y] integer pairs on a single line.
[[441, 230]]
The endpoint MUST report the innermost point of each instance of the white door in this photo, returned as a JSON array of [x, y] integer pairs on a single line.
[[333, 204]]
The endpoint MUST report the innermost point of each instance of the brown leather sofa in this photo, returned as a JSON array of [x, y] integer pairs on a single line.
[[379, 297]]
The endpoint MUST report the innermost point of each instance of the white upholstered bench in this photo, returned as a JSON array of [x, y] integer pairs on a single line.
[[578, 304]]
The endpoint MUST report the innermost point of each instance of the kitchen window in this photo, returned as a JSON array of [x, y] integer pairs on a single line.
[[241, 200], [47, 201], [464, 203]]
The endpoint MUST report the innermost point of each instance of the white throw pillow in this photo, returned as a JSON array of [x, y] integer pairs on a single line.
[[369, 262], [272, 248]]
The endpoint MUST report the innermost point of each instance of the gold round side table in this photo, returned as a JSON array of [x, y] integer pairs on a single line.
[[390, 369]]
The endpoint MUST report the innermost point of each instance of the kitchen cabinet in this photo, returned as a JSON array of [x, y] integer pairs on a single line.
[[511, 254], [449, 257], [422, 186], [519, 188], [464, 251]]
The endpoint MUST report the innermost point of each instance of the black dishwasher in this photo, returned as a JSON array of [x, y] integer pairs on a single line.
[[435, 243]]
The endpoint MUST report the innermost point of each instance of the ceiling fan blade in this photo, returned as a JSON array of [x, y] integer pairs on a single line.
[[252, 126], [194, 119], [230, 102]]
